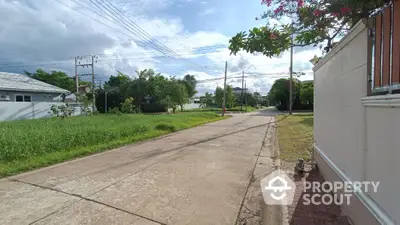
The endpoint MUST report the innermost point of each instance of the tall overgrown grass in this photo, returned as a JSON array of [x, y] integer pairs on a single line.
[[31, 144]]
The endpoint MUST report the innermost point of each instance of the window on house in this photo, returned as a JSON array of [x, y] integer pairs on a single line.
[[27, 98], [385, 57], [23, 98], [19, 98]]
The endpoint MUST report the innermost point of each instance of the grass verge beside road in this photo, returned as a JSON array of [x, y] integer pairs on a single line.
[[295, 136], [30, 144]]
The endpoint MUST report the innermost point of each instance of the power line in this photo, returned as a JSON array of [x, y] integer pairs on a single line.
[[119, 24], [272, 75], [91, 17], [136, 30], [142, 34], [62, 60], [142, 55]]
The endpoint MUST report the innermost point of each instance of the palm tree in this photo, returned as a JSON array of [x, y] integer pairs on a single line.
[[207, 100], [145, 74]]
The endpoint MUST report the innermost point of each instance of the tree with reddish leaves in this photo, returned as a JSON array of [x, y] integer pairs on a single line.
[[312, 22]]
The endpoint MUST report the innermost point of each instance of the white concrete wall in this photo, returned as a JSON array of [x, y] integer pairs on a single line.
[[28, 110], [382, 157], [362, 142], [191, 106], [35, 96]]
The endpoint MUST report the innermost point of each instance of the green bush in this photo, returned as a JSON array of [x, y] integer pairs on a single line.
[[115, 110], [127, 105], [165, 127], [153, 108]]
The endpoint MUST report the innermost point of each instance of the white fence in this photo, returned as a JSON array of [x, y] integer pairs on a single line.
[[356, 135], [191, 106], [30, 110]]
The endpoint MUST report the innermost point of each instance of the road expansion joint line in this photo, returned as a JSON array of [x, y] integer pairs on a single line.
[[181, 148], [82, 198], [174, 149], [253, 170]]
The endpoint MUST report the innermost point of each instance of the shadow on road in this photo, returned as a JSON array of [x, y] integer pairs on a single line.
[[301, 214]]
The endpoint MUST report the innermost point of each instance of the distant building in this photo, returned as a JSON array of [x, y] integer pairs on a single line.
[[20, 88], [196, 100], [82, 89], [238, 90], [70, 98]]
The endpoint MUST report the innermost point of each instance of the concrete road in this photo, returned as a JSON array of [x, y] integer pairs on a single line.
[[197, 176]]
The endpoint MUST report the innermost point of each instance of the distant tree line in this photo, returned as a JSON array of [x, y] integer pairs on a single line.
[[303, 94], [148, 92], [232, 99]]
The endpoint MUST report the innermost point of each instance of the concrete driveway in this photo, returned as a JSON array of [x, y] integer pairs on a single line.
[[197, 176]]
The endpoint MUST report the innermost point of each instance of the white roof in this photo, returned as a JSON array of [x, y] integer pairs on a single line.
[[71, 96], [19, 82]]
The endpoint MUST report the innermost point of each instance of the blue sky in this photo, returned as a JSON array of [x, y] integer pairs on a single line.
[[49, 33]]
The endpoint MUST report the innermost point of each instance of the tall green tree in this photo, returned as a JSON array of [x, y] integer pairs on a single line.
[[219, 95], [149, 90], [168, 103], [56, 78], [264, 101], [307, 93], [145, 74], [158, 86], [258, 98], [116, 81], [207, 100], [179, 94], [249, 99], [190, 82], [279, 93], [314, 22]]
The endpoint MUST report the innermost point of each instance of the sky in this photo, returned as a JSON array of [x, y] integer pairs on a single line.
[[173, 37]]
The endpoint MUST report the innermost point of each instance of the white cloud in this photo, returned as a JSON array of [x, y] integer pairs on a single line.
[[262, 71], [41, 31], [203, 2], [207, 12], [36, 31]]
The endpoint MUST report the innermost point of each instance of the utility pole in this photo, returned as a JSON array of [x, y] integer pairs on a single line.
[[291, 74], [245, 94], [105, 101], [241, 102], [224, 98], [91, 64], [76, 77], [94, 99]]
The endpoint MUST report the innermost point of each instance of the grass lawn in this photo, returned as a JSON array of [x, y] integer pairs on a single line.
[[295, 135], [29, 144], [233, 109]]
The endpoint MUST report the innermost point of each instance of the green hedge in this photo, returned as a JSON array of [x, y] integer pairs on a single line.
[[152, 108]]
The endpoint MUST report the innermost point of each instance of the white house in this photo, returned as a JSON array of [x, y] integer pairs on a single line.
[[20, 88], [238, 90], [22, 97]]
